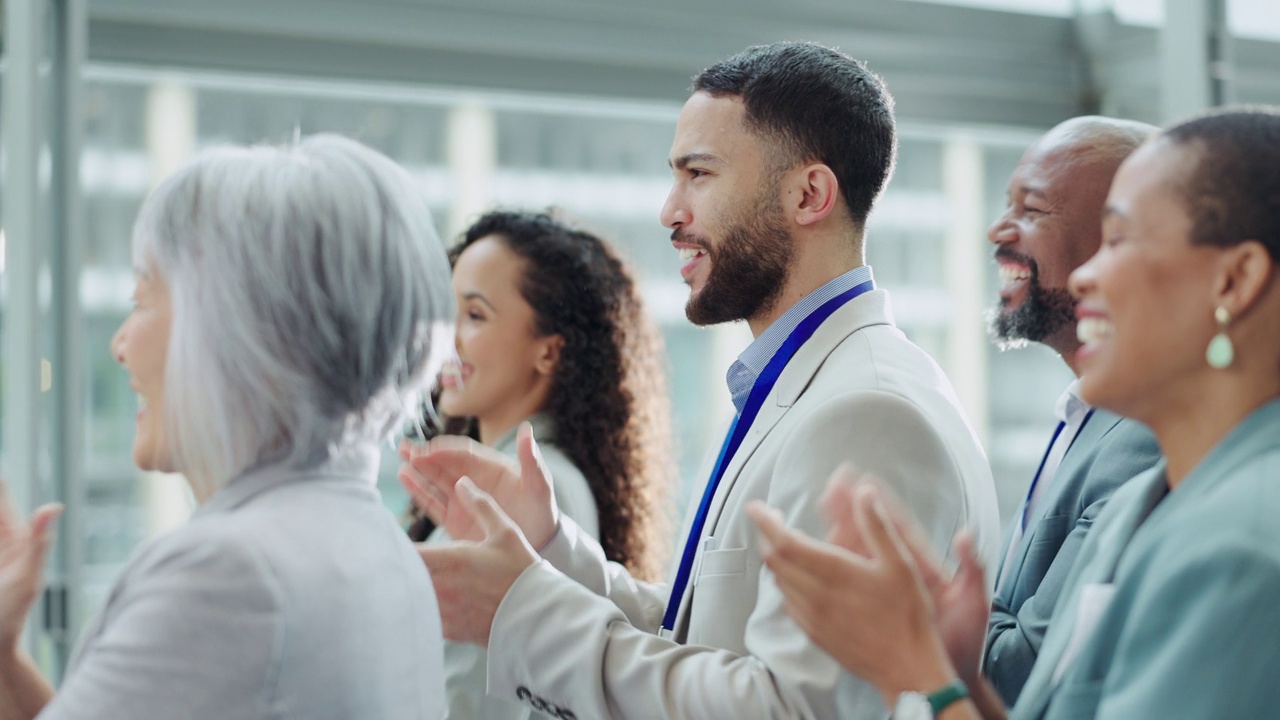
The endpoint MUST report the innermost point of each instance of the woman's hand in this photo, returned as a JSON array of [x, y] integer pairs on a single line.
[[960, 603], [23, 547], [862, 599]]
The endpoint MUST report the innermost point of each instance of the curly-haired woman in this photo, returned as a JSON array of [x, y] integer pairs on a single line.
[[551, 330]]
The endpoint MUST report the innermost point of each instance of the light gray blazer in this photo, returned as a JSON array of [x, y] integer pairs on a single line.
[[578, 635], [465, 664], [1192, 625], [1106, 452], [287, 595]]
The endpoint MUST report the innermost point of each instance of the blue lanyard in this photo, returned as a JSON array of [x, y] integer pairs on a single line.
[[738, 431], [1026, 504]]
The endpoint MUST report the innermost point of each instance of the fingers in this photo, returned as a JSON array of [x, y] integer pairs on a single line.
[[533, 469], [42, 521], [837, 509], [877, 530], [769, 522], [481, 506], [801, 564], [448, 457], [913, 537], [40, 539], [427, 496]]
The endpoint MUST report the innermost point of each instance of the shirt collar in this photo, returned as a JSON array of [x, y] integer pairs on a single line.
[[1071, 408], [742, 374]]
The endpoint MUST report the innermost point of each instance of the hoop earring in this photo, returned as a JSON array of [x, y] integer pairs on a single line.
[[1220, 352]]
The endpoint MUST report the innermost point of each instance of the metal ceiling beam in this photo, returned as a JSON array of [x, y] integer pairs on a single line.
[[944, 64]]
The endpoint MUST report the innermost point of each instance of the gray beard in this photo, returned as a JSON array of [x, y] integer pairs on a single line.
[[1043, 314]]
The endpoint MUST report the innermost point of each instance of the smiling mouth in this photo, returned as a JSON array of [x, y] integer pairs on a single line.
[[1093, 330], [1011, 275], [688, 253], [454, 375]]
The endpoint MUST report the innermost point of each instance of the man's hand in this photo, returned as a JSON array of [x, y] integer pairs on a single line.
[[523, 491], [471, 578]]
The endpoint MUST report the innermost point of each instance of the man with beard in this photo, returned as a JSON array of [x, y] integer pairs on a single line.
[[1051, 226], [778, 157]]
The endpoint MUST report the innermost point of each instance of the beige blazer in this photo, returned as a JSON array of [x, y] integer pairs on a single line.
[[576, 637]]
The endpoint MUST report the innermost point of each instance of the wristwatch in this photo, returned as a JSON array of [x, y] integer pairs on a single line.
[[917, 706]]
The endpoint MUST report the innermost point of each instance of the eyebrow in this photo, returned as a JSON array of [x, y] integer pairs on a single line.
[[1112, 211], [473, 295], [683, 161]]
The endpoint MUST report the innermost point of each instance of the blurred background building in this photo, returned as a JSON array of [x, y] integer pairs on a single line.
[[529, 103]]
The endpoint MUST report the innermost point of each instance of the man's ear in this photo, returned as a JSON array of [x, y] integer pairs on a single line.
[[1246, 271], [816, 193], [548, 357]]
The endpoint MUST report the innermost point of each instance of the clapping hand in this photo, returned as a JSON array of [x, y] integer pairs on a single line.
[[875, 596], [471, 578], [523, 491], [23, 548]]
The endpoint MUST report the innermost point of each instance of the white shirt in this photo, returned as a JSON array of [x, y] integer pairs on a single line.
[[1071, 411]]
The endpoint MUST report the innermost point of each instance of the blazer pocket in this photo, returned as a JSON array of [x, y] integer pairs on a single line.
[[1052, 530], [723, 562], [723, 598]]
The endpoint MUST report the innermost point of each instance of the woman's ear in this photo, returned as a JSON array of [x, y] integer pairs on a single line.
[[1247, 270], [548, 357]]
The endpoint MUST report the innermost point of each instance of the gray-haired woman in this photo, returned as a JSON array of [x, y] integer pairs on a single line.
[[283, 321]]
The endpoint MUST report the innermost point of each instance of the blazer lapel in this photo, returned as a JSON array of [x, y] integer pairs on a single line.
[[1096, 425], [1096, 564], [871, 308]]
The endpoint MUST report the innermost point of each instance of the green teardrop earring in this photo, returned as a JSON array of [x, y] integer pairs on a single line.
[[1220, 352]]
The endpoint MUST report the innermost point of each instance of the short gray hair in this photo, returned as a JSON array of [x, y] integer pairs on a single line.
[[309, 290]]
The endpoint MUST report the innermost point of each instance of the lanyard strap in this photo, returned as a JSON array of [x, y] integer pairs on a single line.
[[1026, 504], [738, 431]]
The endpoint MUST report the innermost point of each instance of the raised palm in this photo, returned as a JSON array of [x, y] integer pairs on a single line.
[[23, 547], [522, 490]]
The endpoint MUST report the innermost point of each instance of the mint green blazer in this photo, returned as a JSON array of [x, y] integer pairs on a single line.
[[1192, 626]]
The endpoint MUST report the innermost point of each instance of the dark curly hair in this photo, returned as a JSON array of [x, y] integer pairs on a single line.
[[608, 396]]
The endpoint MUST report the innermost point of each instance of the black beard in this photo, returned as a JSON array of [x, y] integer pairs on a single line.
[[1041, 315], [749, 266]]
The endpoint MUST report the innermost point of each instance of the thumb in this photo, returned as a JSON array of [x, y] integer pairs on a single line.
[[533, 470], [493, 523]]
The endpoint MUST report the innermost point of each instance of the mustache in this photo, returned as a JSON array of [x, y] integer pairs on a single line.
[[684, 236], [1004, 253]]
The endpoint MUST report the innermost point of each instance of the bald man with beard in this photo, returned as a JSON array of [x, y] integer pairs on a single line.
[[1051, 226]]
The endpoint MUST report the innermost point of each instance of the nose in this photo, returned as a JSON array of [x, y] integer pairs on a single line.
[[117, 343], [1084, 279], [674, 215], [1001, 231]]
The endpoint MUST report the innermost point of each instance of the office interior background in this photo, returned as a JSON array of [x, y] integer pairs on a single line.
[[530, 104]]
